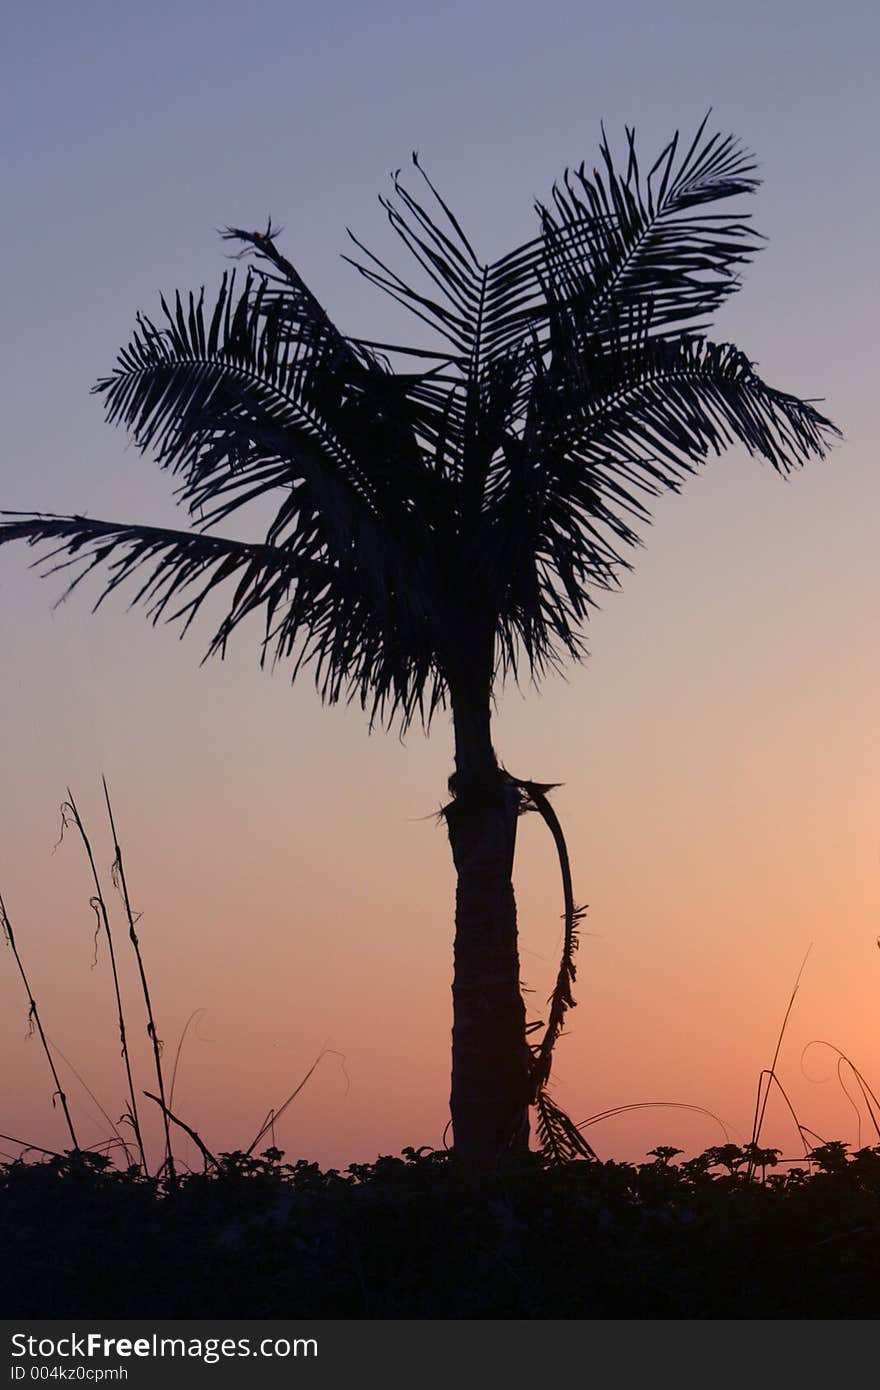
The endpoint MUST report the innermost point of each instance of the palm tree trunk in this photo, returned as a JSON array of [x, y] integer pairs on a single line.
[[490, 1056]]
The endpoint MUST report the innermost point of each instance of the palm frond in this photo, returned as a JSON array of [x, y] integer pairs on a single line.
[[313, 613], [616, 240], [241, 411], [484, 312], [605, 435], [672, 403], [180, 560]]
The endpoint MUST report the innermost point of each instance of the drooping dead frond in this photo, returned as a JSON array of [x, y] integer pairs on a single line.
[[560, 1139], [555, 1129]]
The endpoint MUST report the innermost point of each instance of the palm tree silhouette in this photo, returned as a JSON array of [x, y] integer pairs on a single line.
[[445, 516]]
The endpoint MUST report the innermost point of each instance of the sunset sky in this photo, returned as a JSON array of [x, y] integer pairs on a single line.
[[718, 749]]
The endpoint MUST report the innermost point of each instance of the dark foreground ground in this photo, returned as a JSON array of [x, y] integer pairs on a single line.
[[416, 1237]]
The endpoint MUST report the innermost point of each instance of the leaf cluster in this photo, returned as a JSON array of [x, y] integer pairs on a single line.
[[426, 520]]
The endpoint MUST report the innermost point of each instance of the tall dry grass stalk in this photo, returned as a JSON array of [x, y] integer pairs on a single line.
[[769, 1077], [70, 817], [99, 906], [118, 876], [34, 1021]]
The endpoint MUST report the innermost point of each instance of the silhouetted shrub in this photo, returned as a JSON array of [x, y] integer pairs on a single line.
[[420, 1236]]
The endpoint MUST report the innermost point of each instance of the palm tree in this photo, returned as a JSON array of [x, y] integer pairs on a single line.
[[445, 516]]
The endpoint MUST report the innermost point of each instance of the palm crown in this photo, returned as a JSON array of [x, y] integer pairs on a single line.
[[456, 517]]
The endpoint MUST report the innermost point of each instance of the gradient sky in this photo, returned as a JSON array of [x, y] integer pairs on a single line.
[[719, 748]]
